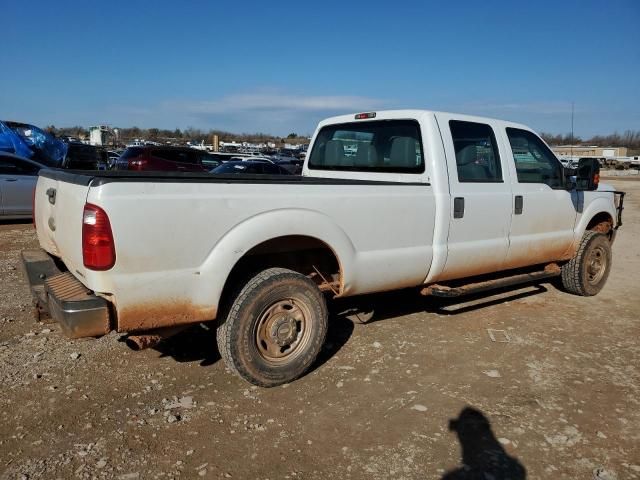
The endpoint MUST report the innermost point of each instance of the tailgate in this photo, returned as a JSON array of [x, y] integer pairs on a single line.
[[59, 204]]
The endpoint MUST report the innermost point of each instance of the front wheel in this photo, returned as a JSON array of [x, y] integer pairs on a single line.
[[587, 272], [274, 328]]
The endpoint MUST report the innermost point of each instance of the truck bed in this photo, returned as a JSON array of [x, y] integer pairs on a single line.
[[179, 235]]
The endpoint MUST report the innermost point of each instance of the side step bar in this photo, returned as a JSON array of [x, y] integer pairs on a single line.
[[551, 270]]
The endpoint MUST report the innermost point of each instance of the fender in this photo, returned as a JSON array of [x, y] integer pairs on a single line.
[[599, 204], [269, 225], [600, 201]]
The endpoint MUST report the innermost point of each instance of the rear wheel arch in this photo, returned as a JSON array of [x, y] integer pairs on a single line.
[[266, 231], [303, 254]]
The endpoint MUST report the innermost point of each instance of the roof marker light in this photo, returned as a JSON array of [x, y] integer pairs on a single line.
[[360, 116]]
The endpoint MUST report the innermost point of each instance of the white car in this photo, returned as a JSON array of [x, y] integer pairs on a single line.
[[427, 198]]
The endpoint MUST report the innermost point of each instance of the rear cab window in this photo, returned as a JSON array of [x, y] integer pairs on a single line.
[[392, 146]]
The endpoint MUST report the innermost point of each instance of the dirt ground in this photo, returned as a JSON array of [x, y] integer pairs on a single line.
[[421, 391]]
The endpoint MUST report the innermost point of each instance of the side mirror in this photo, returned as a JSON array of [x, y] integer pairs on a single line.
[[588, 174]]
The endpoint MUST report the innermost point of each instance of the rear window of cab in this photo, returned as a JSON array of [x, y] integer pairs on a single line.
[[393, 146]]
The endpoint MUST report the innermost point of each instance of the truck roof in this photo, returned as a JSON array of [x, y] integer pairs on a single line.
[[416, 113]]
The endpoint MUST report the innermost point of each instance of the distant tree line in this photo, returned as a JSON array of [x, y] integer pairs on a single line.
[[179, 136], [629, 139]]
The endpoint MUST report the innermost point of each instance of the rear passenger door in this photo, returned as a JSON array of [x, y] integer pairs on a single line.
[[480, 196], [545, 212]]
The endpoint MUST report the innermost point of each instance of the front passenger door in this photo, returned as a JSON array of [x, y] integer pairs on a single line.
[[544, 213]]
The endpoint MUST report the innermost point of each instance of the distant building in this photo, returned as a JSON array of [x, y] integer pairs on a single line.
[[102, 134], [580, 151]]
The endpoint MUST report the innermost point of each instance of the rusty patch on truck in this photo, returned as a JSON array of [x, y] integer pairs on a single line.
[[147, 316], [602, 227], [539, 254]]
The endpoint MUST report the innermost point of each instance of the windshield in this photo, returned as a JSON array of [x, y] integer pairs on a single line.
[[132, 152], [376, 146]]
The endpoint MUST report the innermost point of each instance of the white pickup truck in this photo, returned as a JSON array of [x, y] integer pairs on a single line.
[[444, 203]]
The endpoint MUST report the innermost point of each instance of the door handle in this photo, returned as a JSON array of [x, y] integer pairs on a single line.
[[10, 179], [458, 207], [517, 210]]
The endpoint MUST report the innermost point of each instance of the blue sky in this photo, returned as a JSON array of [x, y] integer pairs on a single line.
[[279, 67]]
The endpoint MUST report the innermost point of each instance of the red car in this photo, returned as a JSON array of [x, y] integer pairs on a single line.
[[158, 158]]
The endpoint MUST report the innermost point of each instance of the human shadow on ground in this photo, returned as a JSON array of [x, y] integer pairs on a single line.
[[483, 457]]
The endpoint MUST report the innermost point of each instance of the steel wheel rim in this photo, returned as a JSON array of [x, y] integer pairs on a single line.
[[596, 265], [283, 330]]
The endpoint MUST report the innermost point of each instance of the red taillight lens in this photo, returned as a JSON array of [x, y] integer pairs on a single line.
[[98, 248], [137, 163]]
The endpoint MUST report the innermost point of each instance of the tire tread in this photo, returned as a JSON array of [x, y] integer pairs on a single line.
[[227, 332], [572, 272]]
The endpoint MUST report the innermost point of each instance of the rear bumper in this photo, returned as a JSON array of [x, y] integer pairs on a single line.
[[59, 294]]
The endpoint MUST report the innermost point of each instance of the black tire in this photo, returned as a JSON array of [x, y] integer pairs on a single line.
[[587, 272], [274, 329]]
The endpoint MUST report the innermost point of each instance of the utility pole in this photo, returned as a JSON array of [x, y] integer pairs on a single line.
[[572, 109]]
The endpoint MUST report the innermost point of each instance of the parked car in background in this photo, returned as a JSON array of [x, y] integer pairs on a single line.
[[18, 178], [160, 158], [113, 157], [251, 167], [240, 158], [293, 165], [85, 157], [284, 157], [29, 141]]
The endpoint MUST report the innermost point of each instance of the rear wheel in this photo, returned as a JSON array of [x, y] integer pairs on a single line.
[[274, 328], [587, 272]]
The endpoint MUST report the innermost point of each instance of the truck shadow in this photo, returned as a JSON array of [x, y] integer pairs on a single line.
[[195, 344], [373, 308], [198, 343], [483, 456]]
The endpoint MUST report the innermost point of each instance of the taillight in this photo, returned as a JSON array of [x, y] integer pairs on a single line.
[[137, 163], [98, 248]]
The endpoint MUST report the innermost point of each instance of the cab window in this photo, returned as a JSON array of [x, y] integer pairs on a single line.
[[535, 163], [477, 157], [374, 146]]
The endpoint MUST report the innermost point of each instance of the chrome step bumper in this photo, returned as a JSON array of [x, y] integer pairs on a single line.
[[64, 297]]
